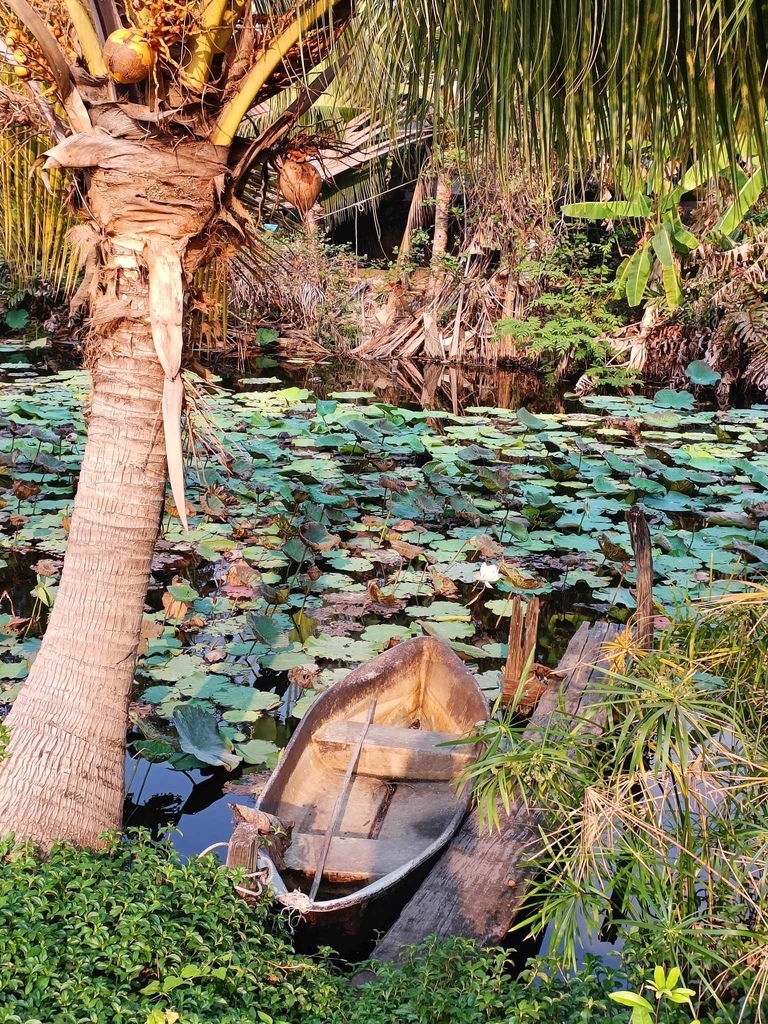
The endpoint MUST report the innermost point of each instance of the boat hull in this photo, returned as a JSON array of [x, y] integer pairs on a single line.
[[404, 804]]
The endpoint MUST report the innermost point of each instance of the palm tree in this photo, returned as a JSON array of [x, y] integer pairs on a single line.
[[149, 98], [637, 83]]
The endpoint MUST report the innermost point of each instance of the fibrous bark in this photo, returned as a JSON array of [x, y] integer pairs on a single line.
[[68, 724]]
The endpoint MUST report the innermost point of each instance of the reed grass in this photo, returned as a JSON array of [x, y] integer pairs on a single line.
[[656, 831], [34, 221]]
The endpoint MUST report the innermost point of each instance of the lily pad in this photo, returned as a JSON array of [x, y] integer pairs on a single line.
[[200, 736], [256, 751], [701, 373]]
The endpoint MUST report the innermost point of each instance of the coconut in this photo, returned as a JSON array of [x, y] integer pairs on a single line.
[[300, 183], [128, 56]]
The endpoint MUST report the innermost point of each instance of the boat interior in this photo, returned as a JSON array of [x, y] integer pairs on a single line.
[[403, 794]]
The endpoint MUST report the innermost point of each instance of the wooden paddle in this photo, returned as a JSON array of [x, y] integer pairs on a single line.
[[338, 807]]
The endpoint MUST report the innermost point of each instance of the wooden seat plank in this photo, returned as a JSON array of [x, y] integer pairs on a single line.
[[394, 753], [351, 859]]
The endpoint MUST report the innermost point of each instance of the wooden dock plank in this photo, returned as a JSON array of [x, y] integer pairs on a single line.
[[476, 887]]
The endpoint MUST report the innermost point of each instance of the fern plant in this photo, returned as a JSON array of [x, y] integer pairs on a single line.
[[568, 324]]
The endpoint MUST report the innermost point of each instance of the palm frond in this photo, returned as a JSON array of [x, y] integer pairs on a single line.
[[647, 82]]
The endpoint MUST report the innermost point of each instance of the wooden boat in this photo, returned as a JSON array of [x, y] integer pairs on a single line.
[[367, 787]]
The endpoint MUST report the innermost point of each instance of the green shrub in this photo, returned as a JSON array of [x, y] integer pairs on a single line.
[[134, 936], [452, 982], [90, 936]]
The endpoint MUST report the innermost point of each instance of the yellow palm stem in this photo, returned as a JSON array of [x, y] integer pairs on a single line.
[[198, 66], [234, 112], [87, 37]]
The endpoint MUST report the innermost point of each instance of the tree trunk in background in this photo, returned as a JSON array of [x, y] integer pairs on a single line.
[[63, 773], [433, 345], [440, 240]]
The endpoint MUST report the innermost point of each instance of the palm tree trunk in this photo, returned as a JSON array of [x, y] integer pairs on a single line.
[[62, 775], [442, 213]]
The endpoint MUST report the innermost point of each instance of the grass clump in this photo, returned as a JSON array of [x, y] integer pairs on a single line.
[[655, 827]]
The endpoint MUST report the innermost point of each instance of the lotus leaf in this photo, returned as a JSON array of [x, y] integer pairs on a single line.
[[199, 735]]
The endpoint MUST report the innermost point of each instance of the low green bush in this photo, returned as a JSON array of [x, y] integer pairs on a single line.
[[453, 982], [107, 937], [132, 935]]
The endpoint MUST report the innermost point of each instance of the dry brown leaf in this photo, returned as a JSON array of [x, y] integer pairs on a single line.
[[374, 521], [239, 593], [487, 546], [304, 676], [174, 609], [16, 623], [240, 574], [47, 567], [442, 585], [151, 627], [406, 550], [406, 526], [24, 489]]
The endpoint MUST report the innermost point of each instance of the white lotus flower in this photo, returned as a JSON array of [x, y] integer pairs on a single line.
[[488, 574]]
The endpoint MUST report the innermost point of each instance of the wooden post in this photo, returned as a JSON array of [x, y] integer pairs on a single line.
[[523, 631], [640, 536]]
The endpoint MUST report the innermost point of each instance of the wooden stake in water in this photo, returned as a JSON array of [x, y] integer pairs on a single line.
[[341, 799], [640, 536]]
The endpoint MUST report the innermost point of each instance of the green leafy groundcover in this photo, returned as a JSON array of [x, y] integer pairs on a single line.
[[130, 933]]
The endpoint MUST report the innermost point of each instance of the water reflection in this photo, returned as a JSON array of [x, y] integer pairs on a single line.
[[427, 386], [193, 802]]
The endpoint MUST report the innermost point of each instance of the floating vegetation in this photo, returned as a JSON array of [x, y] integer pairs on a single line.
[[332, 529]]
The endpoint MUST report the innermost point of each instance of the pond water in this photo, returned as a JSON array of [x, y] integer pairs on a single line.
[[355, 507]]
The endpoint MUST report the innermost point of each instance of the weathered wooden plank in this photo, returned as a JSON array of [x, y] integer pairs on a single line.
[[393, 753], [351, 859], [476, 888], [523, 630], [640, 536]]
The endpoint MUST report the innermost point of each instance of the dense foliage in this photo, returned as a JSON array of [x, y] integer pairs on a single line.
[[131, 933], [656, 825], [86, 936]]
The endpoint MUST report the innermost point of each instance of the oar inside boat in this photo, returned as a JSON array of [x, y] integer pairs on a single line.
[[338, 807]]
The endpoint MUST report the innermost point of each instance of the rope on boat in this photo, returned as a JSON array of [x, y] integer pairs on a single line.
[[211, 848], [296, 900], [297, 903]]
